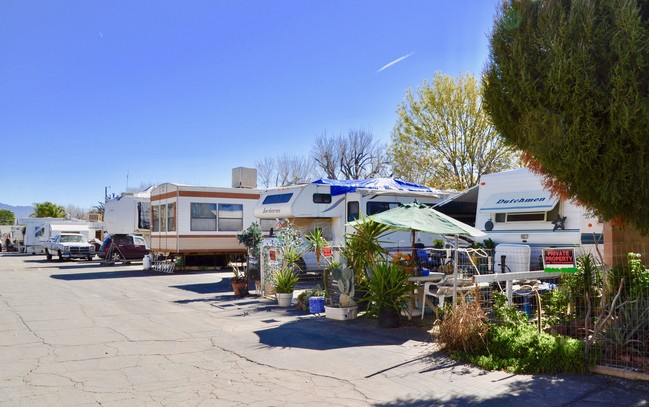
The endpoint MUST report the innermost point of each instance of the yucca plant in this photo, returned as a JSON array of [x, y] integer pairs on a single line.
[[285, 280], [316, 243], [362, 247], [388, 287]]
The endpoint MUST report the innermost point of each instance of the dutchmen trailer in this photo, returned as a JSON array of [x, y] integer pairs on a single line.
[[198, 226], [331, 204], [514, 208]]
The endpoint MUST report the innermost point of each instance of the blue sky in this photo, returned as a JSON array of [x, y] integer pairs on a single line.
[[184, 91]]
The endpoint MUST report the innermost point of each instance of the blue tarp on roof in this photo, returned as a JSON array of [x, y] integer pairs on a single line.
[[339, 187]]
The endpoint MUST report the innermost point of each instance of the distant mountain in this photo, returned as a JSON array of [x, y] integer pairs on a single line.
[[19, 211]]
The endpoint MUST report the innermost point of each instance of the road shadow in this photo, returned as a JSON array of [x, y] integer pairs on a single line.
[[221, 286], [538, 391], [320, 333], [102, 275]]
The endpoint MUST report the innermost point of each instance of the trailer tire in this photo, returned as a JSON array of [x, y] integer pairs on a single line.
[[48, 255], [89, 258]]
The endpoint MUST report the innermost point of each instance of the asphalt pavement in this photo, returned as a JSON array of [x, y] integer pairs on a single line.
[[79, 333]]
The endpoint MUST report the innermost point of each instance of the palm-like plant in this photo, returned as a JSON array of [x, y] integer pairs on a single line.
[[362, 247], [316, 243], [48, 209]]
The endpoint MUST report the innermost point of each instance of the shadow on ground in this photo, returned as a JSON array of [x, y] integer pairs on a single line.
[[99, 275], [319, 333], [570, 390]]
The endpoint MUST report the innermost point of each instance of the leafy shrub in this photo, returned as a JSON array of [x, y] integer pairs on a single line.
[[514, 345]]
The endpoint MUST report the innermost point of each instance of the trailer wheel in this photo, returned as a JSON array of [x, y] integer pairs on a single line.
[[48, 255], [60, 255], [89, 258]]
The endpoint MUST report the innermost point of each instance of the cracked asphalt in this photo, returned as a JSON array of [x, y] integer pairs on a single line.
[[82, 334]]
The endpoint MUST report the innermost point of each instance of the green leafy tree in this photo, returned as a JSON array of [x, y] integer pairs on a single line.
[[444, 138], [566, 81], [48, 210], [7, 217]]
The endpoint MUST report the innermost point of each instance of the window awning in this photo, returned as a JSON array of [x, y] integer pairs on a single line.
[[528, 201]]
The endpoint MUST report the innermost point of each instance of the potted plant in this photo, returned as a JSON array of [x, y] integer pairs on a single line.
[[239, 281], [363, 249], [252, 238], [388, 289], [285, 281], [346, 308]]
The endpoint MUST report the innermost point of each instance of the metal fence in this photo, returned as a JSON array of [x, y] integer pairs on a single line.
[[603, 303]]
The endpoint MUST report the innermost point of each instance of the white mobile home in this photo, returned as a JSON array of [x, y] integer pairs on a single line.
[[514, 207], [198, 226], [331, 204], [129, 213]]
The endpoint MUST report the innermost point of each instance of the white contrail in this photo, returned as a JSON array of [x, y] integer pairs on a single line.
[[396, 61]]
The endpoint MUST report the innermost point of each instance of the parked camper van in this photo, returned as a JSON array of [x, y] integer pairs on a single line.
[[198, 226], [514, 208], [331, 204], [39, 230]]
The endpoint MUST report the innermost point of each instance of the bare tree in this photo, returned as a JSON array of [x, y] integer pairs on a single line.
[[75, 212], [355, 155], [326, 153], [266, 172], [285, 170]]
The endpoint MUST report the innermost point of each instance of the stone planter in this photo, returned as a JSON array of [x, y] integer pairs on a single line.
[[284, 299], [341, 314]]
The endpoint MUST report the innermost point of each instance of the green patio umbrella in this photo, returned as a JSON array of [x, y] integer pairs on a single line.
[[417, 217], [421, 218]]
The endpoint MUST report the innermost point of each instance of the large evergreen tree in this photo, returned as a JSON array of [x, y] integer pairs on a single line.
[[568, 82]]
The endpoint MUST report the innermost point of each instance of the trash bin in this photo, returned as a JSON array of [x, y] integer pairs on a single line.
[[316, 305]]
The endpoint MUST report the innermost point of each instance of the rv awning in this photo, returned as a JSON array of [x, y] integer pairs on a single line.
[[528, 201]]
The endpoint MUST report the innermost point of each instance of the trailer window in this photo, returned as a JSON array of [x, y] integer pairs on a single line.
[[322, 198], [373, 208], [144, 215], [528, 216], [163, 218], [277, 198], [353, 211], [155, 213], [230, 217], [267, 224], [171, 217], [203, 217]]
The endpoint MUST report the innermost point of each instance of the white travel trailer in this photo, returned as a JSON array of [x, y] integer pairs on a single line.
[[39, 230], [514, 208], [198, 226], [331, 204], [129, 213]]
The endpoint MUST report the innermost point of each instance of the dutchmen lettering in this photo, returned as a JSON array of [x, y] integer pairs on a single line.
[[519, 200]]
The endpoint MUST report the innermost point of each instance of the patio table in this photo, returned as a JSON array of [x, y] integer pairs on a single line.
[[419, 281]]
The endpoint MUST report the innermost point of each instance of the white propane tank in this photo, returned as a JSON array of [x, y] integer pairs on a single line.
[[147, 262]]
